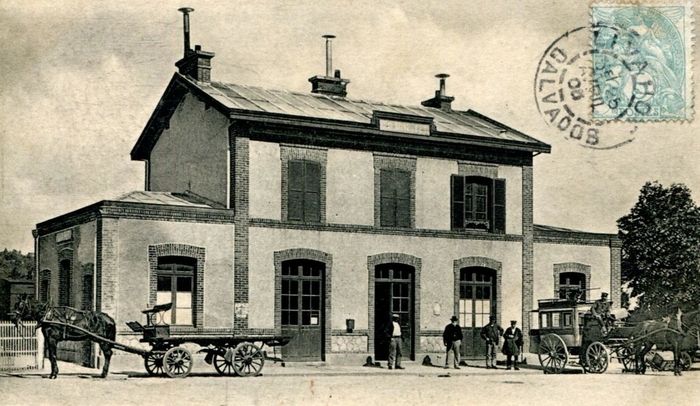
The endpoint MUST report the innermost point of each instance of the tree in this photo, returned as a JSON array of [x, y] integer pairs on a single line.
[[15, 265], [661, 248]]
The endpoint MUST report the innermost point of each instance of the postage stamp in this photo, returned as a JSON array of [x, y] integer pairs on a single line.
[[642, 62]]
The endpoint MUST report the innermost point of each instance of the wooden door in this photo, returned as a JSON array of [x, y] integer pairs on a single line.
[[303, 313], [477, 302], [393, 294]]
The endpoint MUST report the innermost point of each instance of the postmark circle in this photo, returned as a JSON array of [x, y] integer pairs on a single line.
[[569, 90]]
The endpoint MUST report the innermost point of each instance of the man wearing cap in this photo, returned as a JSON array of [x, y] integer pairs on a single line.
[[601, 312], [393, 332], [491, 333], [452, 337], [511, 347]]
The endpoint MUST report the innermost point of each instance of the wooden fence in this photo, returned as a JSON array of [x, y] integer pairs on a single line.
[[20, 348]]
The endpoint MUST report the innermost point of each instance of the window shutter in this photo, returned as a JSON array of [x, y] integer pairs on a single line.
[[312, 192], [457, 189], [387, 214], [403, 198], [499, 206], [295, 195]]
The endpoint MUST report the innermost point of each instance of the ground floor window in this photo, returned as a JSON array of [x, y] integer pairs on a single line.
[[572, 282], [477, 296], [176, 283]]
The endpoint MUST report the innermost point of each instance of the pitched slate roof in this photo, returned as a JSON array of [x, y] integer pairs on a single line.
[[169, 198], [311, 105], [242, 101]]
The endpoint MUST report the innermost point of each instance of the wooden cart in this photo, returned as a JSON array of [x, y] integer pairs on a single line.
[[232, 355]]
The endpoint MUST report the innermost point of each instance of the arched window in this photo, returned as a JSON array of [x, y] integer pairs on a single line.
[[477, 296], [176, 285], [572, 282]]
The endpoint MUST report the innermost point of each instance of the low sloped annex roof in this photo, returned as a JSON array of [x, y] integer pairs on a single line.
[[242, 101]]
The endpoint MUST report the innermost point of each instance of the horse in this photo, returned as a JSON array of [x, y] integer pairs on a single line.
[[675, 335], [55, 325]]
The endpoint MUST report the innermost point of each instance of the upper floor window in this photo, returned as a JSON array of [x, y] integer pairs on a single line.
[[304, 191], [395, 196], [478, 203], [176, 280]]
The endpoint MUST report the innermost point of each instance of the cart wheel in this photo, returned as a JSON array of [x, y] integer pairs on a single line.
[[597, 358], [553, 354], [222, 366], [177, 362], [248, 360], [686, 361], [154, 363], [626, 356]]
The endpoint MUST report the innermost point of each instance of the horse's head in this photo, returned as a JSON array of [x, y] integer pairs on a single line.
[[27, 309]]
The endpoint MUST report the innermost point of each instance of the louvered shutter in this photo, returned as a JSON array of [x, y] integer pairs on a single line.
[[499, 206], [457, 197]]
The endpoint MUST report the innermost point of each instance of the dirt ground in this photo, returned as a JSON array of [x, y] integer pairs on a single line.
[[318, 385]]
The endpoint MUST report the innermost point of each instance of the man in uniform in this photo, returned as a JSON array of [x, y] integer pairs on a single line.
[[393, 332], [452, 338], [511, 347], [491, 333], [601, 312]]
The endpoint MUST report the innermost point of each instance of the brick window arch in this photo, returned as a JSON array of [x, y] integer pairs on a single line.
[[163, 267], [569, 276]]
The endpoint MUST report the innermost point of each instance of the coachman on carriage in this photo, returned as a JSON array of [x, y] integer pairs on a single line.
[[589, 334]]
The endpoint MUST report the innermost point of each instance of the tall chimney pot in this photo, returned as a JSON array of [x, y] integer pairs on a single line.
[[331, 83], [196, 63], [441, 100], [186, 27]]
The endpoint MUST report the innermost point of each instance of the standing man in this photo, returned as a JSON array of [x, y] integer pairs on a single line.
[[394, 334], [491, 333], [511, 347], [452, 337]]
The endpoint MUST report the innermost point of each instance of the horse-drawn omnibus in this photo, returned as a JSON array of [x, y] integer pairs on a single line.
[[568, 334]]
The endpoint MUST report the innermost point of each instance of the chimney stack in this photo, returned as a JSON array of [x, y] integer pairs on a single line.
[[441, 100], [196, 63], [332, 83]]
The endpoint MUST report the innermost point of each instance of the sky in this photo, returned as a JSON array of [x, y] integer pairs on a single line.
[[79, 80]]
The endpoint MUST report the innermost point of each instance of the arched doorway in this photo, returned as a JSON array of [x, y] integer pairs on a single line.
[[476, 303], [303, 316], [394, 293]]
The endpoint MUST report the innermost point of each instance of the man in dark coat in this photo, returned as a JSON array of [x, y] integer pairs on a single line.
[[601, 312], [452, 337], [511, 347], [491, 333]]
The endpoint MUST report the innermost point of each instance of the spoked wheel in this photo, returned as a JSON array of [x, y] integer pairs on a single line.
[[597, 358], [154, 363], [553, 354], [223, 362], [248, 360], [177, 362], [626, 356], [686, 361]]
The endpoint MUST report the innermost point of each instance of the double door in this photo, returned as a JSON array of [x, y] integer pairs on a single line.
[[477, 302], [393, 295]]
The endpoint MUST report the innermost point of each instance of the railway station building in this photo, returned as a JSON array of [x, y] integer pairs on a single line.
[[318, 216]]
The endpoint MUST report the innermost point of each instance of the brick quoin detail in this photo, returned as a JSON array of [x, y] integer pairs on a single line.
[[571, 267], [616, 272], [241, 199], [482, 262], [528, 254], [179, 250], [394, 258], [107, 267], [400, 162], [313, 255]]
